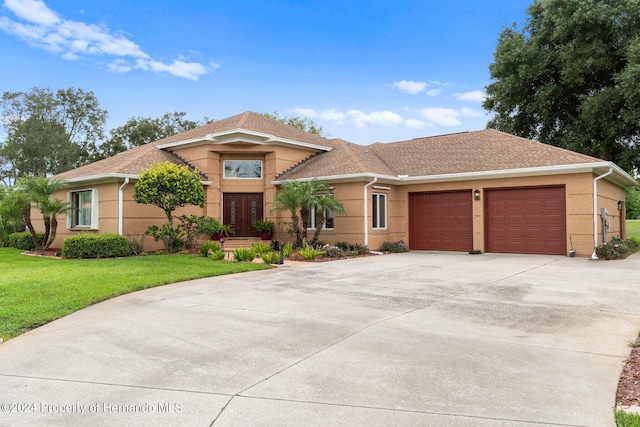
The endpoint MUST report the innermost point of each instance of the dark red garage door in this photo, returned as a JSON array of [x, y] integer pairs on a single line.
[[526, 220], [441, 221]]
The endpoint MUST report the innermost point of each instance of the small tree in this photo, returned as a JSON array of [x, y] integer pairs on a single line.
[[38, 191], [298, 197], [169, 186], [324, 203]]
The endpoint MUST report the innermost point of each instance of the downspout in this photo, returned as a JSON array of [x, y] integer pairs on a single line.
[[121, 205], [366, 210], [595, 210]]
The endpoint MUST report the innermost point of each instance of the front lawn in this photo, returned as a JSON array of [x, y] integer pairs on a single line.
[[633, 228], [37, 290]]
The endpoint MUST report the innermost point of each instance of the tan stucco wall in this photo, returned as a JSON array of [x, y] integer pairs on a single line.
[[579, 209], [349, 227], [137, 217]]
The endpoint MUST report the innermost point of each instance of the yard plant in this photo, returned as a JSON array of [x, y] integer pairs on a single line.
[[38, 290]]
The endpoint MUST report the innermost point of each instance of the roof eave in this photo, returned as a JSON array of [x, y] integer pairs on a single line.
[[231, 136], [106, 178], [620, 176]]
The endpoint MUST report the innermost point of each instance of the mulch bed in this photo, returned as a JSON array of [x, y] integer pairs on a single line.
[[629, 384], [50, 253]]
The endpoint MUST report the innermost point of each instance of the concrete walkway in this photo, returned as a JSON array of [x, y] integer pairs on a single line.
[[418, 339]]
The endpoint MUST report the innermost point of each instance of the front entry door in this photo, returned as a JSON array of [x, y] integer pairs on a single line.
[[241, 211]]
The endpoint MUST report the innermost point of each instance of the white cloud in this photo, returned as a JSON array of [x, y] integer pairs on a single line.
[[73, 40], [470, 112], [380, 118], [442, 116], [476, 96], [33, 11], [415, 124], [329, 115], [306, 112], [187, 70], [411, 87], [119, 66], [434, 92]]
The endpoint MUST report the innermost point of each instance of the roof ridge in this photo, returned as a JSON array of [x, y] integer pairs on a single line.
[[381, 158]]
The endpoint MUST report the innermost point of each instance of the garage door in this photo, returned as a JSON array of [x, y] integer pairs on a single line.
[[441, 221], [526, 220]]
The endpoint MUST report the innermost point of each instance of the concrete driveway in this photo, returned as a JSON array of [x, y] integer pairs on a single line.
[[411, 339]]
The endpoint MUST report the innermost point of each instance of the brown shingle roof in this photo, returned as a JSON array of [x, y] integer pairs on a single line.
[[134, 161], [479, 151], [485, 150]]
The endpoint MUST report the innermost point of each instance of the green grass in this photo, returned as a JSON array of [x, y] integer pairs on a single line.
[[633, 228], [37, 290], [625, 419]]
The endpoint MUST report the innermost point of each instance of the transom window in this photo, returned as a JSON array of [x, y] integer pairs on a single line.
[[242, 169], [379, 214]]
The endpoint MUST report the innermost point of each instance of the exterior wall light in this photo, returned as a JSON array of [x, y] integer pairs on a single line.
[[619, 205], [476, 195]]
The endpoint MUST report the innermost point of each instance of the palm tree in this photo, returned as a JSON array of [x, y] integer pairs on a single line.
[[288, 198], [39, 190], [51, 209], [310, 191], [299, 197], [324, 203]]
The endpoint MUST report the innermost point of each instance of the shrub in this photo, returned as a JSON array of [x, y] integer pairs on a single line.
[[208, 247], [617, 249], [216, 254], [243, 254], [136, 247], [309, 253], [335, 252], [260, 248], [342, 249], [23, 240], [194, 226], [89, 245], [287, 249], [271, 258], [173, 238], [395, 247], [360, 249], [342, 245]]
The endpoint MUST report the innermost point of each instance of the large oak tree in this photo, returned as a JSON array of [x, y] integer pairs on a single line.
[[48, 133], [138, 131], [569, 77]]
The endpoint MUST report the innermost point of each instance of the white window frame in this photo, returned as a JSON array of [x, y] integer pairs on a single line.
[[224, 169], [327, 215], [71, 225], [375, 211]]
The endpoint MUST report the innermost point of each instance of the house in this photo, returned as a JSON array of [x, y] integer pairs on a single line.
[[484, 190]]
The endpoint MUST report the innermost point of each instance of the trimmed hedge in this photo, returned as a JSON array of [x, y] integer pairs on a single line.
[[23, 240], [89, 245]]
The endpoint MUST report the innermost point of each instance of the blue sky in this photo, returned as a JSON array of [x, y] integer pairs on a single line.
[[366, 71]]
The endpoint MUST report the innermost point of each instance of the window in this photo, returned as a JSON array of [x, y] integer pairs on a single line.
[[328, 219], [243, 169], [379, 213], [84, 209]]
